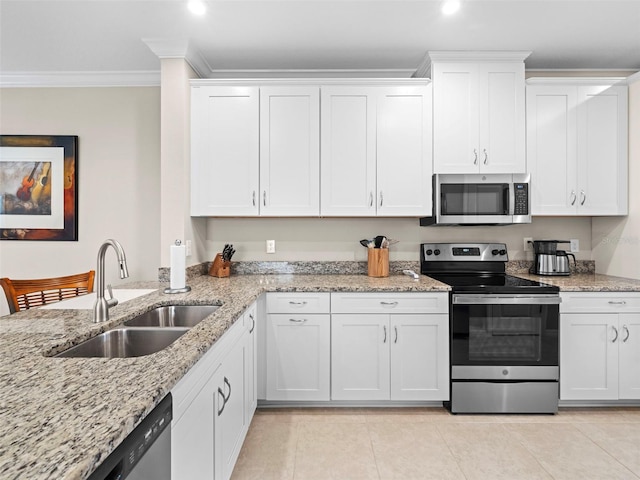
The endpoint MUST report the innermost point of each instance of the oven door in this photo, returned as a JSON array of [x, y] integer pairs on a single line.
[[489, 332]]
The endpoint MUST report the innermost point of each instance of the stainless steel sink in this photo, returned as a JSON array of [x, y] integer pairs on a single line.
[[126, 342], [173, 316]]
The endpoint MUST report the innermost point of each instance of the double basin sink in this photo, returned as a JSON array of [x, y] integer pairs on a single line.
[[145, 334]]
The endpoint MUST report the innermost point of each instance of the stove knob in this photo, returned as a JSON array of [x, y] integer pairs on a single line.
[[429, 252], [503, 252], [495, 252], [436, 251]]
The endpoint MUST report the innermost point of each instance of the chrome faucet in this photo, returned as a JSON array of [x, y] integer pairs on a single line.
[[102, 305]]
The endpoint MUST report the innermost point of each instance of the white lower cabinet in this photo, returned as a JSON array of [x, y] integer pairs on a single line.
[[389, 356], [213, 406], [298, 347], [600, 346]]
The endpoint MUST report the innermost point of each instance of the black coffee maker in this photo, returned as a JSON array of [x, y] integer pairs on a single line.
[[549, 260]]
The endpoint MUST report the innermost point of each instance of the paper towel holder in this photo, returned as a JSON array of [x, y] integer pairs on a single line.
[[184, 289]]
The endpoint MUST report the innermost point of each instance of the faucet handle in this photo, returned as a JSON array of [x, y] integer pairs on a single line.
[[112, 302]]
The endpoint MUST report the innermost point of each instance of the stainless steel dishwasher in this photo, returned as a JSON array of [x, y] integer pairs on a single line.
[[146, 453]]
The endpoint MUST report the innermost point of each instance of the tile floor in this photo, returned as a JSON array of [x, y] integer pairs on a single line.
[[430, 443]]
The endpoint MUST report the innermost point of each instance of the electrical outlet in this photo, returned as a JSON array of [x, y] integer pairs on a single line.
[[187, 248], [271, 246], [575, 245], [528, 247]]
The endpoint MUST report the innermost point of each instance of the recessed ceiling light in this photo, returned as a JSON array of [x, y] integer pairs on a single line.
[[450, 7], [197, 7]]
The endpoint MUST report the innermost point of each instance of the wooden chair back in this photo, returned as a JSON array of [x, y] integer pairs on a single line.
[[25, 294]]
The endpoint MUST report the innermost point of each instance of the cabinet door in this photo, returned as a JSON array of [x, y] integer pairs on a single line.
[[192, 447], [551, 148], [404, 165], [455, 118], [502, 114], [250, 374], [602, 150], [298, 357], [348, 150], [230, 427], [419, 357], [360, 357], [289, 151], [629, 362], [589, 356], [224, 151]]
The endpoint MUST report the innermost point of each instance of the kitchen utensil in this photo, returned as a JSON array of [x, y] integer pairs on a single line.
[[365, 242], [411, 273], [378, 241]]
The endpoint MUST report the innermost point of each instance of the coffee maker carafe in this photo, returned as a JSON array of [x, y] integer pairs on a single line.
[[549, 260]]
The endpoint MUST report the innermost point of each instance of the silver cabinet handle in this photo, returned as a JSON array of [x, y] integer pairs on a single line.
[[297, 304], [253, 323], [624, 340], [616, 332], [486, 157], [381, 198], [298, 320], [384, 340], [583, 197], [264, 198], [573, 197], [396, 330], [389, 304], [224, 401], [622, 302], [475, 156], [254, 198], [371, 199]]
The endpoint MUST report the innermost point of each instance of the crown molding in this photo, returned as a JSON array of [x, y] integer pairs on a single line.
[[310, 73], [577, 81], [179, 48], [318, 81], [80, 79], [633, 78], [478, 56]]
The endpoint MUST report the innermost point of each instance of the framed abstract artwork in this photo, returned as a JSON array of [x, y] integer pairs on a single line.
[[38, 187]]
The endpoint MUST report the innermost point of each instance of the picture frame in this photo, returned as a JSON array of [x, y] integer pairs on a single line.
[[39, 187]]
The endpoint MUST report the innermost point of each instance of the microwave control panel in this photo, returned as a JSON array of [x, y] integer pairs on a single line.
[[521, 195]]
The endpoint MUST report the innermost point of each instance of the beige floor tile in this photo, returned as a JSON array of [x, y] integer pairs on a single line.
[[293, 415], [339, 451], [621, 441], [406, 451], [488, 451], [568, 454], [407, 415]]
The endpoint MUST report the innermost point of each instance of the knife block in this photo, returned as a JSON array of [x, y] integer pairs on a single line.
[[378, 262], [220, 268]]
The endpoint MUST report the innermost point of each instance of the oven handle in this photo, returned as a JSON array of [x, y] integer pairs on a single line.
[[507, 299]]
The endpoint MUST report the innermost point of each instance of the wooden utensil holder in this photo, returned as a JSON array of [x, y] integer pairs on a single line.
[[378, 262], [219, 267]]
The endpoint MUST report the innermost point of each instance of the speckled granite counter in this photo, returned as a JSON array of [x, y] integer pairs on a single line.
[[60, 417], [587, 282]]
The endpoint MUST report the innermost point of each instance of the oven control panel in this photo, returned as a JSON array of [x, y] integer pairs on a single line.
[[461, 252]]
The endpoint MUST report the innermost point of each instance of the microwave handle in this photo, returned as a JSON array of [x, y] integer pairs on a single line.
[[511, 198]]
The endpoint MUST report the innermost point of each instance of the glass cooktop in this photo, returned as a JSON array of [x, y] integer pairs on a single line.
[[492, 283]]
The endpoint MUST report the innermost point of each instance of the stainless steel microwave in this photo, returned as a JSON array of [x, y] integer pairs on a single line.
[[480, 199]]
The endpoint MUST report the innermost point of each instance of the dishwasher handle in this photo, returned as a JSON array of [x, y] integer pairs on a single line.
[[506, 299]]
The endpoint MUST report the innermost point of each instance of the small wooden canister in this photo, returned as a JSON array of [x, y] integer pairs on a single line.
[[220, 268], [378, 262]]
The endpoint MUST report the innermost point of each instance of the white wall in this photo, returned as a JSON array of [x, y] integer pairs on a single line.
[[337, 238], [118, 177], [616, 241]]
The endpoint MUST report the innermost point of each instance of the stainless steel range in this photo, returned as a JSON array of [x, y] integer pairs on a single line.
[[503, 331]]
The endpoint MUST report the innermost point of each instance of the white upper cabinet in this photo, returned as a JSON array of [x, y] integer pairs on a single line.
[[289, 151], [376, 150], [478, 112], [577, 147], [224, 151]]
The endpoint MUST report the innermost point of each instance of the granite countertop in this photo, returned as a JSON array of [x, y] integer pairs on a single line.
[[61, 417], [587, 282]]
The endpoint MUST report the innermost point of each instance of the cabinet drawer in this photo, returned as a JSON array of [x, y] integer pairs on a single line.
[[389, 303], [298, 303], [612, 302]]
